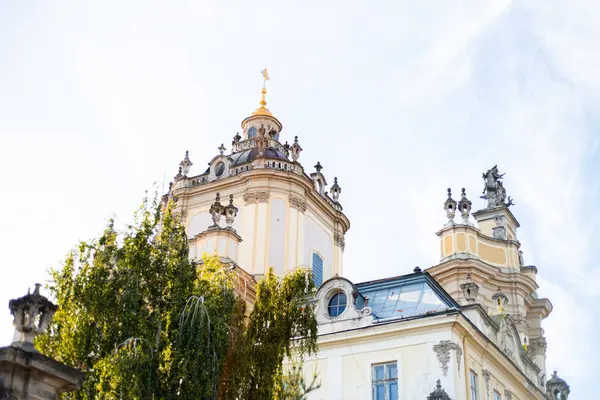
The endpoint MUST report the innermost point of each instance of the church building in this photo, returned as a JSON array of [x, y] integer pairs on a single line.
[[468, 327]]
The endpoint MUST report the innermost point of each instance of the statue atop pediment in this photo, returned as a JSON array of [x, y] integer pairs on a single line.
[[493, 190]]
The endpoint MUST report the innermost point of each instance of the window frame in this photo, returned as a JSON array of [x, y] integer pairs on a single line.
[[314, 253], [386, 381], [473, 385], [337, 306], [497, 395]]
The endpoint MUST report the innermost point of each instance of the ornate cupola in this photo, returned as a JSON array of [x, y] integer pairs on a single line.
[[261, 122], [285, 216]]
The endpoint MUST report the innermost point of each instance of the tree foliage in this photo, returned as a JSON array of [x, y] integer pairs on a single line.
[[143, 322]]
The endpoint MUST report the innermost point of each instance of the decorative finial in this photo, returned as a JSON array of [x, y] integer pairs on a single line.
[[186, 164], [450, 207], [230, 212], [557, 388], [265, 75], [222, 149], [318, 166], [336, 190], [295, 150], [32, 315], [263, 101], [216, 211], [464, 206], [417, 270], [179, 174]]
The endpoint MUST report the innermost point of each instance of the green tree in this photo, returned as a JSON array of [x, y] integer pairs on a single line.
[[143, 322]]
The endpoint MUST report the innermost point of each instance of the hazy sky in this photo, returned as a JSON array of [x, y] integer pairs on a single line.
[[398, 99]]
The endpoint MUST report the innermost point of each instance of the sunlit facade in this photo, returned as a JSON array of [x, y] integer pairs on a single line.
[[466, 328]]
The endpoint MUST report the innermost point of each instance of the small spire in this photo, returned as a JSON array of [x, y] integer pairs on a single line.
[[216, 211], [336, 190], [230, 212], [179, 174], [450, 207], [318, 166], [186, 164], [295, 149], [464, 206]]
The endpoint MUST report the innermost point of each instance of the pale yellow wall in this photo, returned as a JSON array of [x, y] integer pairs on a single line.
[[464, 239], [461, 245], [492, 254]]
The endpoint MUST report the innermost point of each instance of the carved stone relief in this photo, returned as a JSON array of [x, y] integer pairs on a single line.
[[253, 197], [442, 350], [486, 379], [521, 323], [508, 394], [339, 240], [297, 203], [470, 291], [538, 346]]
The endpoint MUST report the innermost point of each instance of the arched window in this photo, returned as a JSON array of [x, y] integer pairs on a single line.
[[251, 132], [317, 269], [337, 304]]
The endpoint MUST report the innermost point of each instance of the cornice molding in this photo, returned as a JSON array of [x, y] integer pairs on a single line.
[[303, 181]]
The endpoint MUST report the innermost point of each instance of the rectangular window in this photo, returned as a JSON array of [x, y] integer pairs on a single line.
[[497, 395], [385, 381], [317, 269], [473, 379]]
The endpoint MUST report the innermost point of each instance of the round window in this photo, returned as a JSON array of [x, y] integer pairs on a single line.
[[337, 304]]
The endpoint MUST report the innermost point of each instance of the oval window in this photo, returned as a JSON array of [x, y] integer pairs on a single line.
[[337, 304], [219, 168]]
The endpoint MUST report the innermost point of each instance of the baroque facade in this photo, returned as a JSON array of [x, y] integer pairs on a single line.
[[466, 328]]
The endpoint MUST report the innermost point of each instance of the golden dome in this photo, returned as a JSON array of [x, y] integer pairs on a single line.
[[263, 111]]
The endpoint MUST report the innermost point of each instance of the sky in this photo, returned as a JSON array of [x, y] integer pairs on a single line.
[[400, 100]]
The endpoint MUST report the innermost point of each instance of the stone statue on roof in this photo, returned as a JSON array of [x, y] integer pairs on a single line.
[[493, 190]]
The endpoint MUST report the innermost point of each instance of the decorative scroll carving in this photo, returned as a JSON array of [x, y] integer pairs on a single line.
[[486, 379], [339, 240], [508, 394], [537, 346], [438, 393], [253, 197], [297, 203], [521, 323], [442, 350]]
